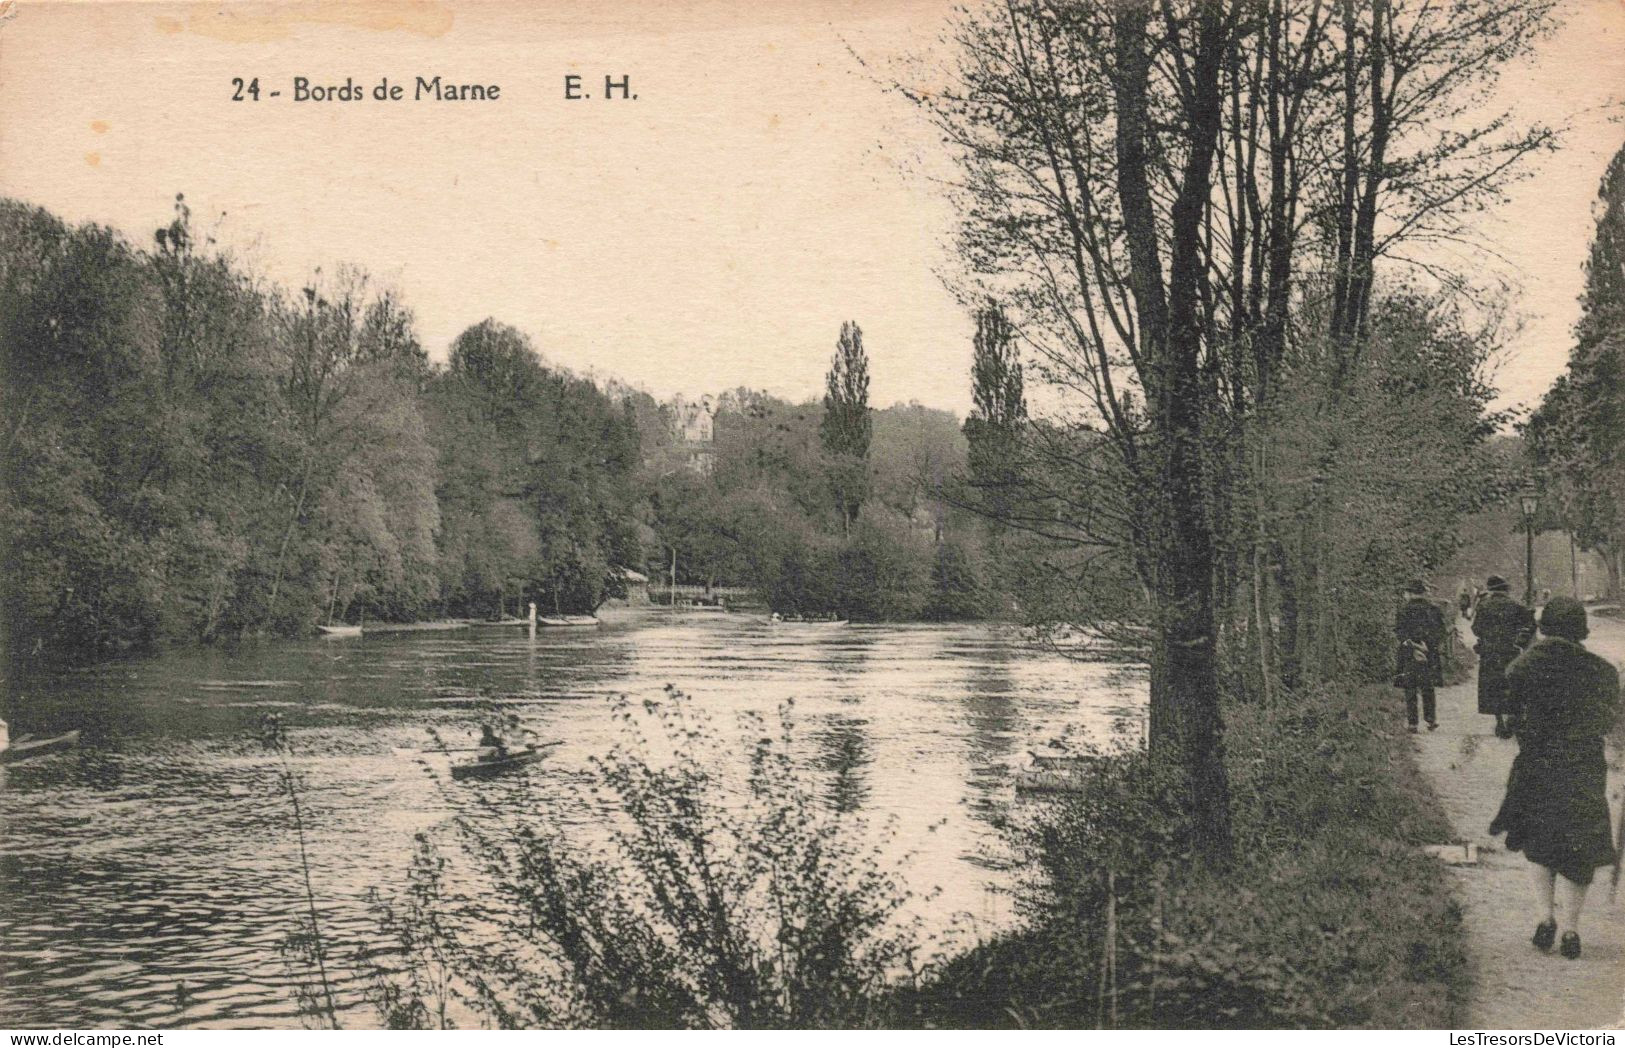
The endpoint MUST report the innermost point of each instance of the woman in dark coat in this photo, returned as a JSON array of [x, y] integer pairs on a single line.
[[1556, 809], [1503, 628]]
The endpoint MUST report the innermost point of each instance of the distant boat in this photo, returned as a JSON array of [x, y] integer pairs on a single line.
[[567, 620], [418, 627], [26, 747], [340, 630], [513, 759], [1055, 770], [499, 622], [798, 621]]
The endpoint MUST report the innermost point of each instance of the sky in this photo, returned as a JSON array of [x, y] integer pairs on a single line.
[[711, 233]]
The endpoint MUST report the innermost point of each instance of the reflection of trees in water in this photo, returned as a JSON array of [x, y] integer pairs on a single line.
[[843, 656], [995, 720], [845, 751]]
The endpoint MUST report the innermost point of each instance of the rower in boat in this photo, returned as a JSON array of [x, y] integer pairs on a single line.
[[491, 747]]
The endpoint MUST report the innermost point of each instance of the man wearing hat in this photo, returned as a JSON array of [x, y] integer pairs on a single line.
[[1556, 805], [1503, 628], [1419, 628]]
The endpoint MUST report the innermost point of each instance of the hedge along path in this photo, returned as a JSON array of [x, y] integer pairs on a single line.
[[1515, 986]]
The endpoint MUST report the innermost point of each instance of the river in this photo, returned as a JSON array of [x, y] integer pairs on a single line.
[[148, 878]]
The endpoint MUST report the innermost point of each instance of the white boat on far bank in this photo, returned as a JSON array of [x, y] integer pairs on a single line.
[[554, 621]]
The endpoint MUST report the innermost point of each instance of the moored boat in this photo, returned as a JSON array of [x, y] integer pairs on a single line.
[[25, 747], [567, 620], [340, 630]]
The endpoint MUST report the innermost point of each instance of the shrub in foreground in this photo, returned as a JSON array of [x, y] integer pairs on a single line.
[[704, 901]]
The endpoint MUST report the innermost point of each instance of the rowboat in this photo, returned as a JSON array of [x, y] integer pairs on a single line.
[[489, 768], [499, 622], [25, 747], [340, 630], [567, 620]]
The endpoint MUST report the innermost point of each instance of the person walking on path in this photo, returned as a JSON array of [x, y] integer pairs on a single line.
[[1564, 699], [1503, 628], [1419, 629]]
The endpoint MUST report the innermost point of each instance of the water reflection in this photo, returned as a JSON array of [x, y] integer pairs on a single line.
[[148, 878], [845, 754]]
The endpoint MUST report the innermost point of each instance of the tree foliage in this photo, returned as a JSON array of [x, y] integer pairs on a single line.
[[846, 429], [1577, 436], [191, 455]]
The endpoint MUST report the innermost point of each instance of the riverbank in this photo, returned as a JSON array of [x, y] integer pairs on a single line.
[[1331, 915], [1514, 985]]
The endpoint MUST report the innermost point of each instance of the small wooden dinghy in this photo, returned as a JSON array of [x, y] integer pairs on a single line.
[[25, 747], [567, 620], [491, 768], [340, 630]]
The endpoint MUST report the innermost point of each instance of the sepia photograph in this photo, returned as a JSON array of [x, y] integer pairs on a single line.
[[911, 515]]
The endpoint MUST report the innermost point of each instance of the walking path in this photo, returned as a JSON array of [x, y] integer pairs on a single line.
[[1516, 986]]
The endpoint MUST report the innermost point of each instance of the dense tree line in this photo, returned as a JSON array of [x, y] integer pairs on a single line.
[[1577, 436], [192, 455], [822, 511]]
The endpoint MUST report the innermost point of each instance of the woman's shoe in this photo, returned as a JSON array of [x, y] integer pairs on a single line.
[[1545, 935], [1571, 946]]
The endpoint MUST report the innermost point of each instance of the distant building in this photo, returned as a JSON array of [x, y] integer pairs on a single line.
[[637, 585], [692, 429]]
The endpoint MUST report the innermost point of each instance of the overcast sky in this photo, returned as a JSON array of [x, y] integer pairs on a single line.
[[712, 233]]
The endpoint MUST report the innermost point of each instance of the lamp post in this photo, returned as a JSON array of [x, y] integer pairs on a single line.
[[1529, 502]]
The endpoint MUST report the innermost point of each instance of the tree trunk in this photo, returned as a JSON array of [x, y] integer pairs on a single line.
[[287, 538], [1187, 685], [1291, 662]]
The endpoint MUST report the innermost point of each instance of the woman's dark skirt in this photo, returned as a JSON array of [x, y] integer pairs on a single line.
[[1494, 691], [1556, 808]]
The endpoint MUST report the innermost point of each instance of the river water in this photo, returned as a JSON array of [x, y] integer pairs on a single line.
[[149, 877]]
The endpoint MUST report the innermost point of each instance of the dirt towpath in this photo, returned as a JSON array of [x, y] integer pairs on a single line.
[[1516, 986]]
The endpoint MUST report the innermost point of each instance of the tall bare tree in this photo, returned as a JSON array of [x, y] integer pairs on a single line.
[[1180, 201]]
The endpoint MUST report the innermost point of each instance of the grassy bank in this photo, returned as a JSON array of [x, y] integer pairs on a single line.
[[1330, 916]]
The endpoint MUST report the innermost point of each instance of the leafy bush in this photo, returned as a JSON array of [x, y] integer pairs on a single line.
[[708, 902]]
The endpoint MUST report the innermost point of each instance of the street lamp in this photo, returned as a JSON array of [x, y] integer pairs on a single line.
[[1529, 502]]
